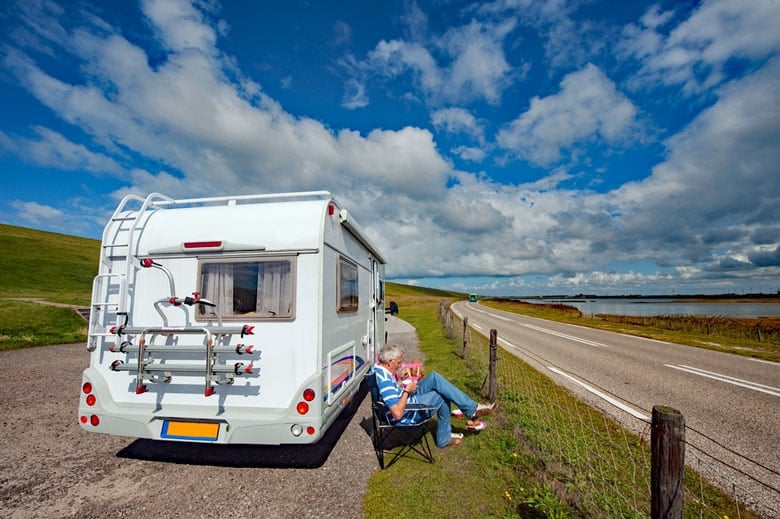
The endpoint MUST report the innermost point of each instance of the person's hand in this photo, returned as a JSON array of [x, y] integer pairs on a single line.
[[411, 386]]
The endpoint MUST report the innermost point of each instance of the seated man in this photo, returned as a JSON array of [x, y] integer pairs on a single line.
[[433, 390]]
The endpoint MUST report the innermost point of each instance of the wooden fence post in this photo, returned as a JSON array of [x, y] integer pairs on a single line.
[[492, 366], [667, 463], [465, 336]]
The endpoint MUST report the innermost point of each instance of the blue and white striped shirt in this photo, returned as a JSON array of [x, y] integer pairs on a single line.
[[390, 393]]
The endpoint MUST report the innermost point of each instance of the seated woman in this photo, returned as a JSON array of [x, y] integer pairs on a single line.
[[433, 390]]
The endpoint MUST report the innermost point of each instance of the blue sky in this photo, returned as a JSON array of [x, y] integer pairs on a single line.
[[514, 147]]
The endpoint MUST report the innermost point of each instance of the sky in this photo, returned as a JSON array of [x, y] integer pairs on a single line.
[[514, 147]]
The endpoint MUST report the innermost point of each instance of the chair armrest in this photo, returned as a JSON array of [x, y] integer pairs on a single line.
[[420, 407], [425, 410]]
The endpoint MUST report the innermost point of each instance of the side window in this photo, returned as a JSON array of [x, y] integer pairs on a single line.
[[347, 296], [262, 289]]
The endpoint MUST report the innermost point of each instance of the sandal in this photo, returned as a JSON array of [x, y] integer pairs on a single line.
[[484, 410], [474, 425], [455, 439]]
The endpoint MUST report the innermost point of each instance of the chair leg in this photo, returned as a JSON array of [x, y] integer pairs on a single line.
[[378, 441], [419, 445]]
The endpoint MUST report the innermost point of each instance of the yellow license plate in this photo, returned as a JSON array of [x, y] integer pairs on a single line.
[[203, 431]]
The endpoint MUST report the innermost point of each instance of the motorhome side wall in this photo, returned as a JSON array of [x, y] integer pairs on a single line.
[[350, 335]]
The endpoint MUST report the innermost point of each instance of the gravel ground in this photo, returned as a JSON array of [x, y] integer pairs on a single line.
[[51, 468]]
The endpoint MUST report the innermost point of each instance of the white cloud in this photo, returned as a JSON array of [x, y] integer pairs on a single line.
[[37, 213], [472, 63], [342, 33], [54, 150], [695, 52], [180, 25], [458, 120], [354, 95], [470, 153], [720, 171], [587, 108]]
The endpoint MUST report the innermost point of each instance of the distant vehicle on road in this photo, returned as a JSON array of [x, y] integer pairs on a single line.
[[473, 297]]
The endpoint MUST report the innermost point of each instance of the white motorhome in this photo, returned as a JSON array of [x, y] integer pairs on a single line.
[[247, 319]]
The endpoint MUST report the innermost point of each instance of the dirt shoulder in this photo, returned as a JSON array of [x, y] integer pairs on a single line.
[[52, 468]]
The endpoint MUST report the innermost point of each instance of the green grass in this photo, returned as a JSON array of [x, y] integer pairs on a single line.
[[24, 324], [49, 267], [465, 481], [41, 264]]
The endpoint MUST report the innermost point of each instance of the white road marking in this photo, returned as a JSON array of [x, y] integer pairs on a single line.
[[771, 363], [769, 390], [565, 336], [491, 314], [619, 405], [540, 329]]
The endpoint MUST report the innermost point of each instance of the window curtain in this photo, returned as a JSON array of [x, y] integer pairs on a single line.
[[218, 286], [274, 288]]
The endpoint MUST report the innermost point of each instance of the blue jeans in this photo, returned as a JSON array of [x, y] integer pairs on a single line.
[[436, 391]]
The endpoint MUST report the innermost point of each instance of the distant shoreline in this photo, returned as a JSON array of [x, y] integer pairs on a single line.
[[723, 298], [768, 299]]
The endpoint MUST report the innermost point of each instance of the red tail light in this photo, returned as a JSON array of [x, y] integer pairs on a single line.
[[87, 388], [202, 245], [308, 395], [302, 408], [94, 420]]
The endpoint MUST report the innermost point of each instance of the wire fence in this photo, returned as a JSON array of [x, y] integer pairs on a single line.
[[600, 464]]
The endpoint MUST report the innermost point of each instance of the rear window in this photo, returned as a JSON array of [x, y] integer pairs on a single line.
[[258, 289]]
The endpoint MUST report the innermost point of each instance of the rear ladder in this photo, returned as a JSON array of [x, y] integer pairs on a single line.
[[110, 288]]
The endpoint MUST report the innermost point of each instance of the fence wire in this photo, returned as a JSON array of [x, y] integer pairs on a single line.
[[602, 467]]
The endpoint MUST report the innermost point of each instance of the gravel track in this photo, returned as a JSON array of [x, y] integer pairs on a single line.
[[52, 468]]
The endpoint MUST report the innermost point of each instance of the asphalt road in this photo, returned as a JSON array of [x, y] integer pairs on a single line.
[[732, 400]]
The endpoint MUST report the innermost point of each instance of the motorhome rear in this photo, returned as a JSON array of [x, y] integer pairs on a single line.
[[246, 319]]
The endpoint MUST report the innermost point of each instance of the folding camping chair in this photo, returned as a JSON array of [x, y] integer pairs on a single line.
[[400, 440]]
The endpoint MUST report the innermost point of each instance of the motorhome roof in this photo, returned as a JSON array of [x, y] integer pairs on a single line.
[[271, 222]]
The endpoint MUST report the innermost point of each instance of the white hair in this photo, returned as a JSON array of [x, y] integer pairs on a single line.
[[389, 352]]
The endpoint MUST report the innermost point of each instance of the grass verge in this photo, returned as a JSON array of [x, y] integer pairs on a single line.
[[544, 454]]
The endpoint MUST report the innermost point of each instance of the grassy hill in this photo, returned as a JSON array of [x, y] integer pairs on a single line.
[[40, 264], [53, 269]]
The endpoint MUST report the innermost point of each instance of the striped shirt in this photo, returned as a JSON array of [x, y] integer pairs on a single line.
[[390, 393]]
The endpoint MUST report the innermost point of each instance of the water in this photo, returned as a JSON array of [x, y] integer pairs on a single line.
[[640, 306]]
